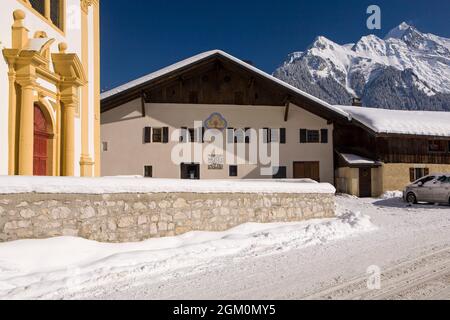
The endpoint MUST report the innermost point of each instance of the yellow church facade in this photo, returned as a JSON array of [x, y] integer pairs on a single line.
[[50, 88]]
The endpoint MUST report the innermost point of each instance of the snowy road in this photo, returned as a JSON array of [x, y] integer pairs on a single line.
[[411, 247]]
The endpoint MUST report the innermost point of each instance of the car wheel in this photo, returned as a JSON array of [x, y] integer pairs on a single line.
[[411, 198]]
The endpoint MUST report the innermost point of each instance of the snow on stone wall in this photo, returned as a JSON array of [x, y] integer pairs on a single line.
[[136, 217]]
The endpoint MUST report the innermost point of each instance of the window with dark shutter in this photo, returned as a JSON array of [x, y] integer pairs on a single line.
[[267, 135], [275, 135], [313, 136], [191, 135], [324, 136], [230, 135], [303, 136], [147, 135], [148, 172], [418, 173], [233, 171], [280, 173], [184, 135], [239, 136], [283, 135], [157, 135]]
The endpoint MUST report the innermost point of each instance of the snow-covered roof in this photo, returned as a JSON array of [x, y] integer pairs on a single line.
[[206, 55], [384, 121], [117, 185], [355, 160]]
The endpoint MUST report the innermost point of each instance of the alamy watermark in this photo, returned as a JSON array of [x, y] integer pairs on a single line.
[[218, 145], [374, 280], [374, 20]]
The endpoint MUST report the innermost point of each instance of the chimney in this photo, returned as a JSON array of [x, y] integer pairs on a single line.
[[356, 102]]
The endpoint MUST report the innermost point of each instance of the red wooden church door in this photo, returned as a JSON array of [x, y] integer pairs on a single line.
[[41, 138]]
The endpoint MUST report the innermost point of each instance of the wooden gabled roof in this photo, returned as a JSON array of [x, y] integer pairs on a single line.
[[135, 89]]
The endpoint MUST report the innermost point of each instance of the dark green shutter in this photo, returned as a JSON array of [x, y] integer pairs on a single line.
[[283, 136], [147, 135], [303, 136], [324, 135], [165, 135]]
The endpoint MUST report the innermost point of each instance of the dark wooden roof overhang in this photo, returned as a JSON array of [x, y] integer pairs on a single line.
[[216, 59]]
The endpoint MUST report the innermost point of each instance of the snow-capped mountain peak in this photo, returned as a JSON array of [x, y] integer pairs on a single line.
[[398, 31], [407, 69]]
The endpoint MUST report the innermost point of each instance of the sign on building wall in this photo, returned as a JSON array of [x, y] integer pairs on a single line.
[[215, 162]]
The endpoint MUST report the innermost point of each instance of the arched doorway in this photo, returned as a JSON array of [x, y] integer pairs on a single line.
[[42, 137]]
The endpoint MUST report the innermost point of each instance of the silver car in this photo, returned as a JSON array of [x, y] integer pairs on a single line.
[[434, 188]]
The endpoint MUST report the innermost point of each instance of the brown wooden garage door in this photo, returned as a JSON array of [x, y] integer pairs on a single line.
[[307, 170]]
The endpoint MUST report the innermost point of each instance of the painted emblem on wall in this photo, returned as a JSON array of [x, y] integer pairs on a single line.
[[216, 121]]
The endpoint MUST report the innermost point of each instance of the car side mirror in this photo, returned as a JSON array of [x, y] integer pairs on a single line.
[[420, 184]]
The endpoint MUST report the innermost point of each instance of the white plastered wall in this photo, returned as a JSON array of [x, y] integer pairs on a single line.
[[123, 126]]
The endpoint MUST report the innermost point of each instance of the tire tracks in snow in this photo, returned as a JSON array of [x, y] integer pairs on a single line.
[[425, 277]]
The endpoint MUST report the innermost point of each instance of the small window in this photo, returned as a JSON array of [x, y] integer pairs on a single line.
[[313, 136], [279, 173], [436, 146], [148, 171], [55, 12], [239, 136], [274, 135], [277, 135], [104, 146], [233, 171], [309, 136], [419, 173], [230, 135], [184, 135], [157, 135], [38, 5]]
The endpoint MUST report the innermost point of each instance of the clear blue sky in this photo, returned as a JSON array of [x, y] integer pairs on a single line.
[[146, 35]]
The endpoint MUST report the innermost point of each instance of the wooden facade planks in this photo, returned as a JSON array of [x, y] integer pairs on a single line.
[[389, 149]]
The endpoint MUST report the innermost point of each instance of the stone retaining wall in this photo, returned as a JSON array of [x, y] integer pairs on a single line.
[[136, 217]]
